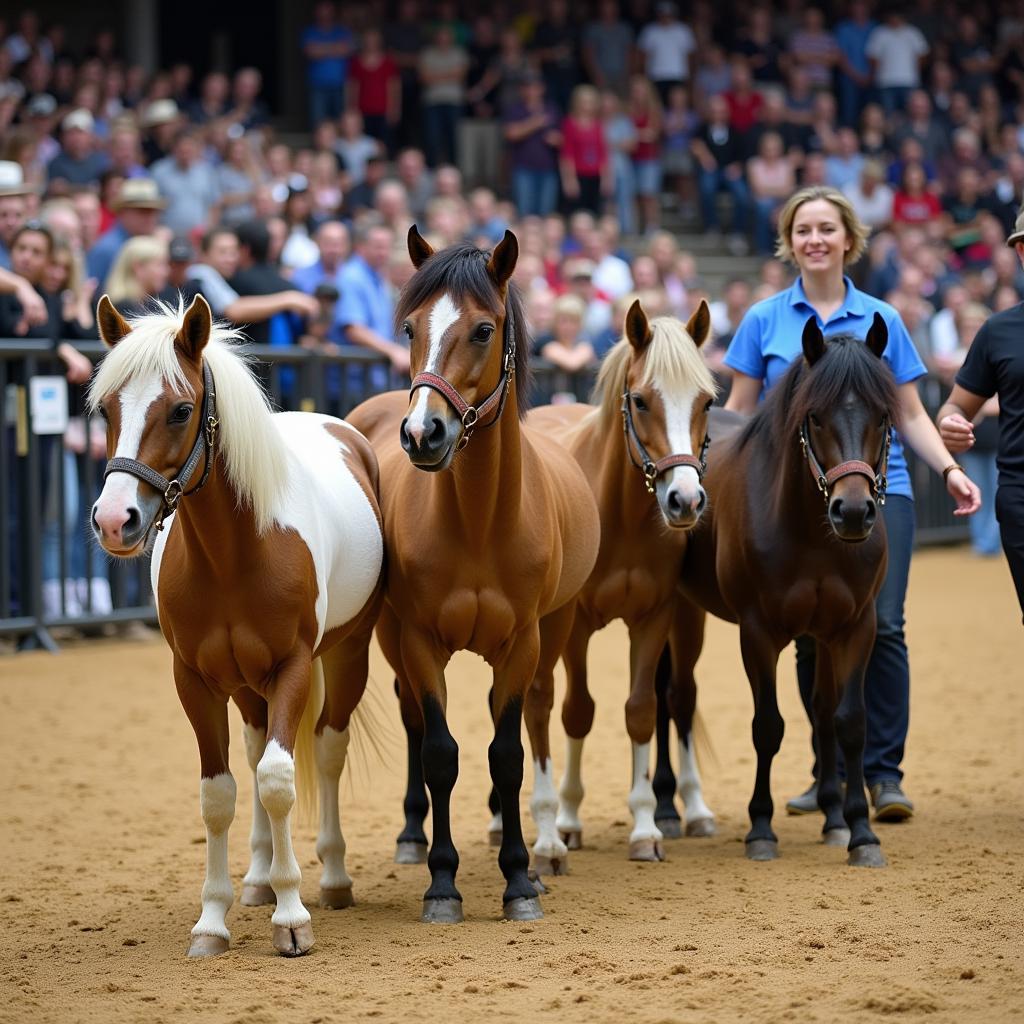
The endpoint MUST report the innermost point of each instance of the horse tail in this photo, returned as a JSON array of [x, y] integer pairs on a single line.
[[703, 748], [372, 740], [305, 755]]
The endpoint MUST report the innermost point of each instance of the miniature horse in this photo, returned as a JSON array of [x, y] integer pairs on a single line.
[[792, 545], [657, 384], [271, 558], [489, 527]]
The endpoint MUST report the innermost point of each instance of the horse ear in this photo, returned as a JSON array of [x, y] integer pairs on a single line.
[[699, 325], [419, 248], [195, 329], [113, 327], [878, 336], [813, 341], [638, 330], [504, 258]]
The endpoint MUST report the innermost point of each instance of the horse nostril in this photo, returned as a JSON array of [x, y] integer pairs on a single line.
[[436, 435], [835, 509], [132, 523], [702, 500], [675, 503], [872, 513], [95, 521]]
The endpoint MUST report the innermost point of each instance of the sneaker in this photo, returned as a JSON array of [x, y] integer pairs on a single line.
[[890, 802], [805, 803]]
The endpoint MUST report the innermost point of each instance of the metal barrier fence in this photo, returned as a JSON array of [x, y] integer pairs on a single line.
[[53, 574]]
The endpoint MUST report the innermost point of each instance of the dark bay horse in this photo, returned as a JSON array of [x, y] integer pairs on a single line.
[[268, 555], [792, 544], [490, 530], [642, 451]]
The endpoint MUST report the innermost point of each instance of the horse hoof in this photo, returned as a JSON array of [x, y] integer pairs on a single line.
[[257, 895], [573, 840], [336, 899], [869, 856], [836, 837], [550, 865], [494, 838], [762, 849], [646, 849], [701, 827], [670, 828], [523, 909], [411, 853], [442, 912], [293, 941], [207, 945]]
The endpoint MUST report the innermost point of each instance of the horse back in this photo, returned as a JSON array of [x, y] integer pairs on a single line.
[[378, 418]]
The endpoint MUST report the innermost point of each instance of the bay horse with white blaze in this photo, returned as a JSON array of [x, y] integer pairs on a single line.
[[489, 529], [642, 450], [792, 544], [268, 555]]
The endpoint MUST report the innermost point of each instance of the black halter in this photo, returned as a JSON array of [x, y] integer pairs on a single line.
[[826, 479], [471, 414], [653, 468], [205, 443]]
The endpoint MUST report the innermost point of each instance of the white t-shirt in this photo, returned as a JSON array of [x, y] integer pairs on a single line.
[[897, 51], [874, 210], [667, 50], [612, 276]]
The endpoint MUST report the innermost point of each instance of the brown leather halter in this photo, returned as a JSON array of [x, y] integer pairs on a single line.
[[653, 468], [206, 441], [826, 479], [470, 415]]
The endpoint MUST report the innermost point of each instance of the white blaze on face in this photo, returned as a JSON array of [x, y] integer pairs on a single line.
[[678, 415], [121, 490], [442, 316]]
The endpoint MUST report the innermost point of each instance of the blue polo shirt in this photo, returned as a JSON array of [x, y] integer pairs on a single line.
[[768, 339], [366, 300]]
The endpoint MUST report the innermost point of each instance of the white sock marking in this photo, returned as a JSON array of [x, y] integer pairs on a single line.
[[331, 751], [261, 844], [642, 802], [217, 802], [689, 785], [571, 790], [544, 808]]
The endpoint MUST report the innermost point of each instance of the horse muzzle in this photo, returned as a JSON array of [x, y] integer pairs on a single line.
[[430, 441], [852, 520]]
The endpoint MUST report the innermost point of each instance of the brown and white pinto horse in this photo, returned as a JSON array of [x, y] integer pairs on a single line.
[[642, 452], [269, 558], [489, 528], [792, 544]]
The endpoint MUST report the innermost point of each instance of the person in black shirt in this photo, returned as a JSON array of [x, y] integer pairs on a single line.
[[720, 152], [257, 276], [995, 367]]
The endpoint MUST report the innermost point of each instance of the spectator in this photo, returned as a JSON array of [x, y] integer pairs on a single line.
[[666, 45], [621, 141], [326, 46], [853, 81], [355, 147], [555, 44], [608, 49], [972, 57], [297, 247], [14, 194], [404, 39], [189, 184], [922, 124], [87, 206], [814, 49], [645, 111], [533, 138], [247, 109], [375, 88], [896, 50], [138, 207], [140, 273], [442, 71], [566, 346], [914, 202], [772, 181], [611, 275], [680, 125], [713, 76], [744, 101], [237, 178], [486, 227], [418, 181], [214, 95], [727, 312], [161, 121], [843, 167], [332, 239], [79, 162], [125, 152], [759, 48], [963, 214], [871, 197], [579, 280], [584, 162], [719, 155], [325, 184]]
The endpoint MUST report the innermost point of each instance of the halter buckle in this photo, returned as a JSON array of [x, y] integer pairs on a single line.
[[462, 442], [212, 426], [650, 476], [173, 495], [470, 417]]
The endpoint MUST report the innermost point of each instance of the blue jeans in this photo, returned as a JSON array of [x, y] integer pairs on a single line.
[[764, 229], [981, 468], [894, 98], [325, 103], [853, 98], [439, 122], [535, 193], [710, 184], [887, 680]]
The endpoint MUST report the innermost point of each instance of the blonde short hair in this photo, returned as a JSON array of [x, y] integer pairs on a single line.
[[570, 305], [121, 284], [856, 231]]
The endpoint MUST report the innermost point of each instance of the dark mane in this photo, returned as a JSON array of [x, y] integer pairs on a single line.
[[461, 270], [847, 365]]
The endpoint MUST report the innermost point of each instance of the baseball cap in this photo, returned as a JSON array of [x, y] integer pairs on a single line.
[[80, 120], [181, 250], [41, 105], [1018, 229]]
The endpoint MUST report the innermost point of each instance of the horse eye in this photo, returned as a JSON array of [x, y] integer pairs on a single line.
[[483, 333], [407, 330], [814, 420], [640, 404], [710, 402], [181, 413]]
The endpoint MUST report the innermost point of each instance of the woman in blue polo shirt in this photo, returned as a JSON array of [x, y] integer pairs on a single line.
[[819, 232]]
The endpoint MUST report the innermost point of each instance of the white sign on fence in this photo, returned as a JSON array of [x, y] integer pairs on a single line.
[[48, 401]]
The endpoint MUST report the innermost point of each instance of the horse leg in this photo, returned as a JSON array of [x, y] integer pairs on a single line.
[[760, 659], [666, 817], [830, 800], [208, 715], [493, 800], [550, 854], [505, 757], [577, 720], [849, 659], [275, 775], [256, 890], [646, 642], [686, 644], [346, 667]]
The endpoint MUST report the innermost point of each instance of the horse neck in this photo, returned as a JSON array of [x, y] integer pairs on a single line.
[[621, 487]]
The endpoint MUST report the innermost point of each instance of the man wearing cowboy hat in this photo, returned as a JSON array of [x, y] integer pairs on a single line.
[[994, 368], [138, 209], [79, 161]]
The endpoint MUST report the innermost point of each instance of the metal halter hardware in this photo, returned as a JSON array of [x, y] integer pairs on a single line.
[[825, 480], [470, 415], [652, 468], [173, 490]]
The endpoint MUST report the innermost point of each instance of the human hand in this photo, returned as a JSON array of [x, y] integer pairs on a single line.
[[32, 306], [571, 188], [399, 357], [303, 304], [957, 433], [964, 491]]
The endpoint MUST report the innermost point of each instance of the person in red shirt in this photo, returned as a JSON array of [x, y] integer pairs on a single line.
[[583, 163], [374, 88], [913, 202], [744, 103], [645, 112]]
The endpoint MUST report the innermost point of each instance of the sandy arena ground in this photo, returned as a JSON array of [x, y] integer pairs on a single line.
[[101, 859]]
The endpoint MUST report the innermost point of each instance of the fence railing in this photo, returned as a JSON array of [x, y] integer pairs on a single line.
[[53, 574]]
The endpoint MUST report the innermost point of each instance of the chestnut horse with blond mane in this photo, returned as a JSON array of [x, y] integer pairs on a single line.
[[489, 529], [642, 451], [268, 555]]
